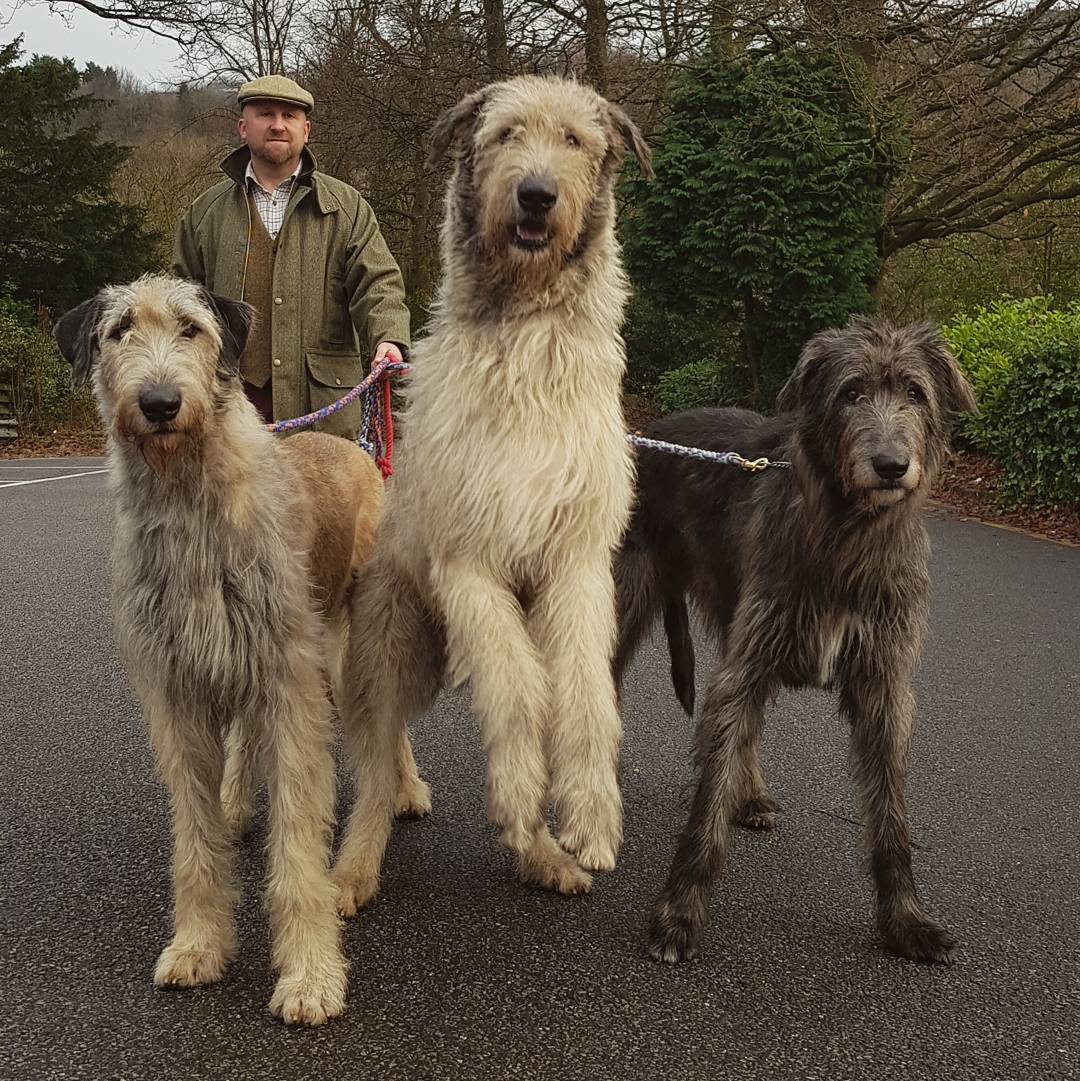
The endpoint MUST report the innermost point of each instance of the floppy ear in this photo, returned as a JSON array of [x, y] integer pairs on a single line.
[[234, 319], [953, 385], [791, 393], [76, 336], [448, 127], [632, 139]]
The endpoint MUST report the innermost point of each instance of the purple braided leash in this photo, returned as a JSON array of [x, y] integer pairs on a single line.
[[384, 367]]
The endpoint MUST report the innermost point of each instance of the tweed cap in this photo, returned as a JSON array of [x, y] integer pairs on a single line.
[[275, 88]]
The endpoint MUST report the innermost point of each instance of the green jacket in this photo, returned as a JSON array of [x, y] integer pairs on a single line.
[[340, 290]]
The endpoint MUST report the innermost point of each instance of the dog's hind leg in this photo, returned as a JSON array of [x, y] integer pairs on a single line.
[[413, 794], [488, 641], [190, 757], [239, 780], [758, 810], [880, 706], [637, 601], [731, 717], [681, 648], [395, 666], [573, 624], [305, 929]]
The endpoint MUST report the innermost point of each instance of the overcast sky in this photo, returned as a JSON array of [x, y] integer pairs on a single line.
[[60, 30]]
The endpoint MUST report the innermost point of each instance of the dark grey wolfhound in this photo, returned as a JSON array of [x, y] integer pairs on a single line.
[[815, 576]]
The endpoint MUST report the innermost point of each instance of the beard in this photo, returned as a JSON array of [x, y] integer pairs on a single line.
[[276, 153]]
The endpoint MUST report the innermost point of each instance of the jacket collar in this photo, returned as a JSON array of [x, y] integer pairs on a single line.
[[235, 168]]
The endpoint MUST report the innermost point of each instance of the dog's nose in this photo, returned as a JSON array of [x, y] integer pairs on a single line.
[[890, 466], [159, 403], [537, 194]]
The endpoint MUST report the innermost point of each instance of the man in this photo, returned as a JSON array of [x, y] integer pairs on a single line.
[[305, 250]]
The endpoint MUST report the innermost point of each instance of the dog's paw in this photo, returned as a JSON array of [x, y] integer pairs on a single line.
[[306, 999], [759, 813], [354, 892], [593, 853], [555, 870], [413, 799], [179, 966], [673, 935], [919, 939]]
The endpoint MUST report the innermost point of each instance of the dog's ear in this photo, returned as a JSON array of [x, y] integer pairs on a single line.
[[952, 384], [632, 139], [234, 319], [76, 335], [792, 393], [451, 122]]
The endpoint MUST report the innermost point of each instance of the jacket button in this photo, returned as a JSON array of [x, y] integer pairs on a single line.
[[338, 381], [277, 300], [277, 362]]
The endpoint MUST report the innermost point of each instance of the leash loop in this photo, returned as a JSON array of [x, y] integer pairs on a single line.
[[377, 431], [727, 457]]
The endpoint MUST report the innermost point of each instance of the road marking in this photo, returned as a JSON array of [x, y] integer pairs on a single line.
[[18, 463], [45, 480]]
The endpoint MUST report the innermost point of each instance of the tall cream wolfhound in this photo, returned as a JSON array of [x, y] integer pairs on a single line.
[[494, 562], [234, 555]]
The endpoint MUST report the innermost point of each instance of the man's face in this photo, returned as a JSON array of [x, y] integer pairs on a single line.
[[274, 130]]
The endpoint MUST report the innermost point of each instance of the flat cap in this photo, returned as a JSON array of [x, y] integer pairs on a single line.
[[274, 88]]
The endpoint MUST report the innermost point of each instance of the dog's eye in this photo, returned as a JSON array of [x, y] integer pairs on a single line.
[[915, 394], [572, 140], [506, 135], [120, 329], [189, 331], [851, 394]]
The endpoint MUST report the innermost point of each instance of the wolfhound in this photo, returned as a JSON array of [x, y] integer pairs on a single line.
[[813, 577], [513, 490], [233, 557]]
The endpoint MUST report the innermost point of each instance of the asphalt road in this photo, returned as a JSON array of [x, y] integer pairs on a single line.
[[460, 972]]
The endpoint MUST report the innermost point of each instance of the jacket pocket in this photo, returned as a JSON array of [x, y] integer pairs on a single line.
[[330, 377]]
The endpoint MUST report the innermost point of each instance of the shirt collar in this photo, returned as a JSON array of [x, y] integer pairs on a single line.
[[249, 174]]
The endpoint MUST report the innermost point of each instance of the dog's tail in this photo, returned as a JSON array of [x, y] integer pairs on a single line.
[[681, 647]]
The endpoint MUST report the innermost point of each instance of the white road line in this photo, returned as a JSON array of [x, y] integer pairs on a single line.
[[11, 464], [45, 480]]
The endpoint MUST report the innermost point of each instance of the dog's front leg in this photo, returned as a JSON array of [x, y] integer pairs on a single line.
[[238, 784], [190, 756], [731, 719], [881, 707], [488, 641], [573, 623], [305, 929]]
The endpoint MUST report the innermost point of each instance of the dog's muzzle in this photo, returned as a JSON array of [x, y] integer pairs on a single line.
[[160, 403], [536, 196]]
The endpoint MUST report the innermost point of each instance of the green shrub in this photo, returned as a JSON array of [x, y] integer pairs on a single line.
[[988, 344], [39, 378], [1033, 427], [1023, 359], [701, 382]]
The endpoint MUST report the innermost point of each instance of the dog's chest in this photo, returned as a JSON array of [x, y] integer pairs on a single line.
[[199, 610], [836, 631]]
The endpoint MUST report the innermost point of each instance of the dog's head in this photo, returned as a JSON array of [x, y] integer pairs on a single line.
[[159, 350], [535, 161], [874, 403]]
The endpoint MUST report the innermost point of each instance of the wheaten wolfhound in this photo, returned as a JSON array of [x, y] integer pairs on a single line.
[[513, 489], [234, 551], [814, 576]]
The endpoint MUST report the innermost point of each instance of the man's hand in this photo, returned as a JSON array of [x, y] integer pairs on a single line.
[[387, 349]]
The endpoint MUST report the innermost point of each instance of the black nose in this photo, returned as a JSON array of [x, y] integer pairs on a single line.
[[889, 466], [160, 403], [537, 194]]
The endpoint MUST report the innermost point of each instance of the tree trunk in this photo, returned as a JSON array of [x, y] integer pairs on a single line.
[[722, 29], [596, 44], [498, 56]]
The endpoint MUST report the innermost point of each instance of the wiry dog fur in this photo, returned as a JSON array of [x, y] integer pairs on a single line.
[[813, 577], [233, 559], [513, 489]]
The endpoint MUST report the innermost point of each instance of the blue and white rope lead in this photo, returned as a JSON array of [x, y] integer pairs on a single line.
[[727, 457]]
